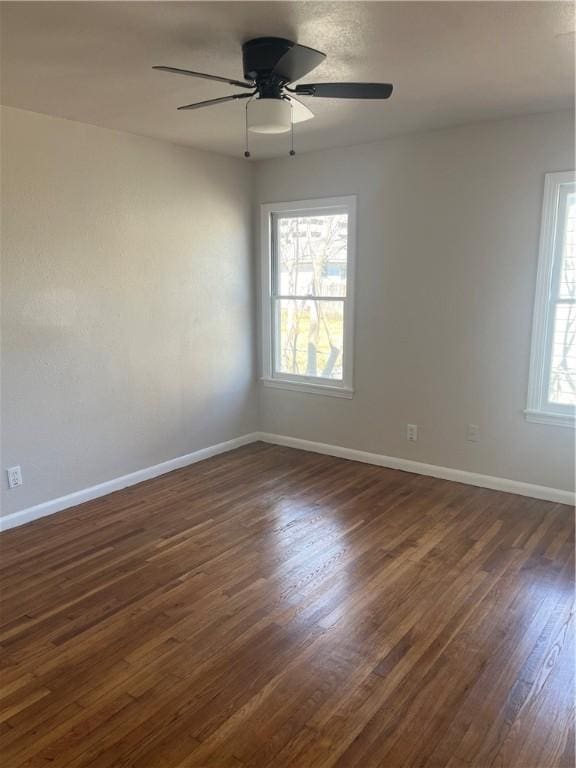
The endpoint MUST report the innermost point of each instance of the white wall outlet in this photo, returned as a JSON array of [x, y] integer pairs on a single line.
[[14, 477], [472, 433], [412, 432]]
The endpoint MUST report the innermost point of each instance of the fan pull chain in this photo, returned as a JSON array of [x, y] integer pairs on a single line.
[[292, 152], [246, 148]]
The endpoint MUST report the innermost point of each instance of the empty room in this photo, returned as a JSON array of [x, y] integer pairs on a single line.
[[288, 384]]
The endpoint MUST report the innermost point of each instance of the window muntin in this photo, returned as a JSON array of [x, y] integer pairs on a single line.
[[308, 271], [552, 387]]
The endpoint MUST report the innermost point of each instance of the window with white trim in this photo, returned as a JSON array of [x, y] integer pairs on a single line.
[[307, 295], [552, 387]]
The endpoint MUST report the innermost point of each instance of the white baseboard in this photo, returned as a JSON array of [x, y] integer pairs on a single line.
[[102, 489], [407, 465]]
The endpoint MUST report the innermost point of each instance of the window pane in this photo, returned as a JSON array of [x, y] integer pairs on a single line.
[[563, 367], [311, 255], [568, 263], [309, 337]]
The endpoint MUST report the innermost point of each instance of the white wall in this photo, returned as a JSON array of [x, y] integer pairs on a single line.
[[448, 226], [127, 300], [127, 303]]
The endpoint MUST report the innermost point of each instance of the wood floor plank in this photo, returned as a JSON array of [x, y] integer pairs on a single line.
[[272, 607]]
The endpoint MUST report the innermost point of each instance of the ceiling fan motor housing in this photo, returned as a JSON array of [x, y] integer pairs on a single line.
[[259, 57]]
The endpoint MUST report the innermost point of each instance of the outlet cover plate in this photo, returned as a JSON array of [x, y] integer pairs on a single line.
[[14, 477]]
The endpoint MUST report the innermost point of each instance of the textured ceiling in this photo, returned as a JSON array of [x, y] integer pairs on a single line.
[[451, 63]]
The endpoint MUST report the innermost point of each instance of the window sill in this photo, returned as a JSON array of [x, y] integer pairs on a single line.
[[551, 418], [308, 388]]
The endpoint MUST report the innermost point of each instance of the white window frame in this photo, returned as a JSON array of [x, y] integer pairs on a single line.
[[539, 408], [311, 384]]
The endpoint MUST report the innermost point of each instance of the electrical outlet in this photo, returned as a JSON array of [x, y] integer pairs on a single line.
[[14, 477], [473, 433], [412, 432]]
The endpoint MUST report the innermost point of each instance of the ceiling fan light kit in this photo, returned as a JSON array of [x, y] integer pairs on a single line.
[[269, 116], [271, 65]]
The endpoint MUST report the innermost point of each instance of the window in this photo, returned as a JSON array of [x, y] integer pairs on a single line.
[[307, 292], [552, 387]]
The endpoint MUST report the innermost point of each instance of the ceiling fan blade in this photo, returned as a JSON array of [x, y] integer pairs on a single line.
[[345, 90], [300, 111], [190, 73], [221, 100], [297, 62]]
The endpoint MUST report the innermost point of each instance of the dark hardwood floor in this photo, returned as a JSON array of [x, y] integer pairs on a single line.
[[271, 607]]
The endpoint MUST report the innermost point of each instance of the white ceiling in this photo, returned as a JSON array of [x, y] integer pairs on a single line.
[[450, 62]]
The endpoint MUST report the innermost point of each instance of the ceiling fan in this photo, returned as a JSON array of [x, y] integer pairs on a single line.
[[271, 65]]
